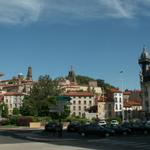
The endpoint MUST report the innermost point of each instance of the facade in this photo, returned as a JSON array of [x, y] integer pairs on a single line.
[[132, 108], [105, 107], [80, 102], [12, 100], [144, 62], [118, 102]]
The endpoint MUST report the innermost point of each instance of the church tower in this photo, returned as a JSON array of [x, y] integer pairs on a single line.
[[71, 76], [144, 62], [29, 73]]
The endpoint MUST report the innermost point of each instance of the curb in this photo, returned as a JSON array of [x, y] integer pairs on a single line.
[[49, 140]]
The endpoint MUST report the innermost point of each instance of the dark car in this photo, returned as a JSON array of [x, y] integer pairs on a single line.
[[137, 128], [95, 129], [121, 130], [73, 126], [51, 126]]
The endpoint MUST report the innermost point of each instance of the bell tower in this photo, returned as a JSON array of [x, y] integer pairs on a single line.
[[71, 76], [144, 62], [29, 73]]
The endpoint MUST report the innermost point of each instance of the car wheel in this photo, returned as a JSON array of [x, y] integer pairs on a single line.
[[107, 134], [83, 134]]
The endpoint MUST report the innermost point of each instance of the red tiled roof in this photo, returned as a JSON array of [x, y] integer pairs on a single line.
[[133, 102], [78, 94], [115, 91], [11, 94], [127, 93], [105, 99]]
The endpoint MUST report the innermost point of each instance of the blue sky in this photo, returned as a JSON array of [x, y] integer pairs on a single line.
[[99, 38]]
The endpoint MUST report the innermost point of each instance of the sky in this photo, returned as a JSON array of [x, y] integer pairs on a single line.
[[98, 38]]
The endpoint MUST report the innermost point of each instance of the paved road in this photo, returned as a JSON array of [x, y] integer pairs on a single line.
[[11, 140]]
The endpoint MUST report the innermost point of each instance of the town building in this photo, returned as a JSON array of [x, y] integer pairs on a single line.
[[12, 100], [69, 84], [105, 107], [80, 102], [19, 84], [118, 102], [132, 109]]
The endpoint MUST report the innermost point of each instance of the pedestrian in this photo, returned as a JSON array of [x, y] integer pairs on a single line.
[[59, 129]]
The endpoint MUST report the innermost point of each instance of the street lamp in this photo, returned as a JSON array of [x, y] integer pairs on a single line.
[[121, 72]]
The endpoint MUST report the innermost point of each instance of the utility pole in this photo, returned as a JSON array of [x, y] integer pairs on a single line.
[[121, 75]]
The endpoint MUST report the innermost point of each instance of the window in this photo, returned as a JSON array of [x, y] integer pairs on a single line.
[[90, 102], [79, 102], [120, 99], [79, 107], [84, 107], [10, 105], [120, 106], [84, 102], [79, 113], [6, 100], [116, 107], [74, 107], [74, 102], [116, 99]]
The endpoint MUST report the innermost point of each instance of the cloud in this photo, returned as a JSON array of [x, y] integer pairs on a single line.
[[19, 11], [28, 11]]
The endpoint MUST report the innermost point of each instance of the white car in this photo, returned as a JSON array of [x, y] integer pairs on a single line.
[[114, 122], [102, 123]]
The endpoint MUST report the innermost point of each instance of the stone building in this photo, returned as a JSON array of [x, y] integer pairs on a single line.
[[144, 62], [19, 84], [12, 100], [80, 102]]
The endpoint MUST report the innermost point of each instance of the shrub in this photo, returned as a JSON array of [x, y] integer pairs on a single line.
[[24, 121], [13, 120]]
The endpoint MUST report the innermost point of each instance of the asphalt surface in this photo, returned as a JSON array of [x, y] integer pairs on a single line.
[[35, 139]]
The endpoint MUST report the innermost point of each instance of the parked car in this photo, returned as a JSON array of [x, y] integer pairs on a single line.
[[52, 126], [114, 122], [74, 126], [102, 123], [137, 127], [121, 130], [95, 129]]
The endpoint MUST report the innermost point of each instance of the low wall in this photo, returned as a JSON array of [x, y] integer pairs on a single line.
[[35, 125]]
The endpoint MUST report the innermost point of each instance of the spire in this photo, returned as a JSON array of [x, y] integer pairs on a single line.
[[145, 54], [29, 73], [71, 75]]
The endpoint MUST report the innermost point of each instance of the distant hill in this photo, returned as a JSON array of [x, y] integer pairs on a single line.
[[84, 80]]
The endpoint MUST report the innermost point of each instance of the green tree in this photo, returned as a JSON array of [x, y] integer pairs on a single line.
[[16, 111], [42, 95], [4, 110], [83, 80], [28, 107]]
